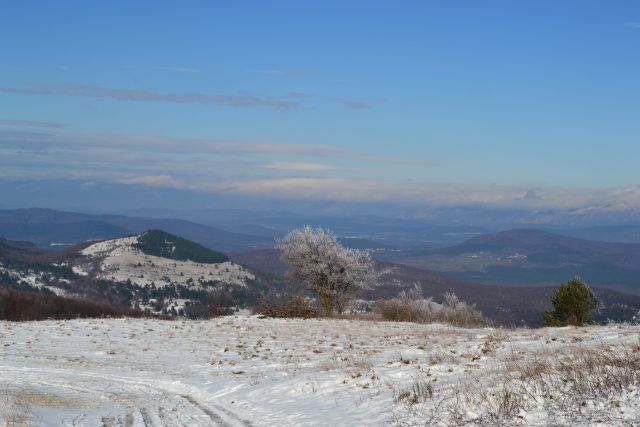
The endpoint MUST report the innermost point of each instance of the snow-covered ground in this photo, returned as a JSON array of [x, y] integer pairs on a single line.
[[243, 370], [119, 260]]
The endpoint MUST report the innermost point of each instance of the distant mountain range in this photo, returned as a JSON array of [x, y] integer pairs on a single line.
[[54, 229], [614, 233], [548, 248], [532, 257], [198, 206]]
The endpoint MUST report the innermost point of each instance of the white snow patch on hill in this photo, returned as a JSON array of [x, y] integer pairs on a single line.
[[119, 260], [243, 370], [36, 279]]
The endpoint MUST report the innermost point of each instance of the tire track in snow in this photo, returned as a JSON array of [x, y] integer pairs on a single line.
[[147, 403]]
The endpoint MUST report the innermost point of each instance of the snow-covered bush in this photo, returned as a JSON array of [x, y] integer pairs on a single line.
[[322, 264], [411, 306]]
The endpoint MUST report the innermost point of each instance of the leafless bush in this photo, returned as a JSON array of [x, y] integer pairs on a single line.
[[411, 306], [283, 307], [219, 303]]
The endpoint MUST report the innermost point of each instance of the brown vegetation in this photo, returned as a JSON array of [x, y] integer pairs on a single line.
[[219, 303], [283, 307], [24, 306]]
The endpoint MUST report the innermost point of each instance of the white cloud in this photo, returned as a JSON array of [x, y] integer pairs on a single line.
[[151, 144], [268, 169], [145, 95], [429, 194], [299, 166], [290, 72], [300, 95], [165, 181], [176, 69], [31, 123], [356, 105]]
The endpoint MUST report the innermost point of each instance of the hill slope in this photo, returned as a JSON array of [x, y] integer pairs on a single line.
[[544, 247], [533, 257], [127, 272], [156, 258], [162, 244]]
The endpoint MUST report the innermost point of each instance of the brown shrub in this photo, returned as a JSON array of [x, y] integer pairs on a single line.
[[25, 306], [219, 303], [290, 306]]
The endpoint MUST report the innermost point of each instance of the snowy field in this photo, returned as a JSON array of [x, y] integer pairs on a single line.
[[243, 370]]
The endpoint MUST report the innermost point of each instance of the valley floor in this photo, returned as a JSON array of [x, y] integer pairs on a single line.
[[243, 370]]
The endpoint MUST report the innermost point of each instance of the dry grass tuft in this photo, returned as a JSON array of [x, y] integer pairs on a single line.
[[555, 384]]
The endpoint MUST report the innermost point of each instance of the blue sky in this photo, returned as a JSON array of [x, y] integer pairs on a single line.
[[497, 102]]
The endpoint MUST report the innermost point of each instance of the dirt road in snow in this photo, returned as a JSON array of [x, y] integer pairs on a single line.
[[70, 397]]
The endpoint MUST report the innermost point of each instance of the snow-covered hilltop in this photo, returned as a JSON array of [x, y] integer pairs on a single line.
[[153, 270], [124, 259]]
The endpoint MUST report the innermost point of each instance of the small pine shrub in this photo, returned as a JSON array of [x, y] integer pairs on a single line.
[[573, 303]]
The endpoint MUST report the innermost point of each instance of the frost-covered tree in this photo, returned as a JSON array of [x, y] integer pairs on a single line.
[[322, 264]]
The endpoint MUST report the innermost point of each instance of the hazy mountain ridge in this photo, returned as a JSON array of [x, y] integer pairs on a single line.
[[534, 257], [46, 227], [197, 206]]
